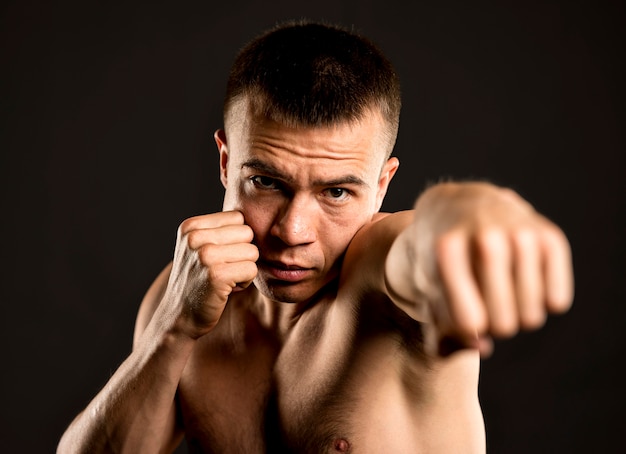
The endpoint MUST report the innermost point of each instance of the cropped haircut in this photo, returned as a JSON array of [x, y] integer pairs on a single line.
[[313, 74]]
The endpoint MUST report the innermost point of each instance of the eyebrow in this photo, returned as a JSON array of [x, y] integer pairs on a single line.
[[273, 172]]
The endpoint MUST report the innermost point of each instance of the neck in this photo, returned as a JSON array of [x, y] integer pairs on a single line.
[[280, 318]]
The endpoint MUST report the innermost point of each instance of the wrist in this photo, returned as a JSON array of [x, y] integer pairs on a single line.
[[167, 333]]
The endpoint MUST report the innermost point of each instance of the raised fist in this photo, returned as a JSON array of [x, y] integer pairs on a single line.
[[214, 257], [480, 262]]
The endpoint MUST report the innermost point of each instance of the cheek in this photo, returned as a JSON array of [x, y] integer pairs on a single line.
[[338, 235], [257, 216]]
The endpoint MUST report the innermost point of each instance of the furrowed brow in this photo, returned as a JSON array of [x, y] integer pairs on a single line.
[[273, 172], [351, 180], [265, 168]]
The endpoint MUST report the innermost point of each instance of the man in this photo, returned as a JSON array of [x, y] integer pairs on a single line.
[[300, 319]]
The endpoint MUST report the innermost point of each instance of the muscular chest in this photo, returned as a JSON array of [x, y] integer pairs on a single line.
[[323, 389]]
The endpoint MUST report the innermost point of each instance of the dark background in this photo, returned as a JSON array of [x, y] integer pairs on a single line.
[[108, 110]]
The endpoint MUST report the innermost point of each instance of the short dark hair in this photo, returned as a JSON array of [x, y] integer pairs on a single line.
[[304, 73]]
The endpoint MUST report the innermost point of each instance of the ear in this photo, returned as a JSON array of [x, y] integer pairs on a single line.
[[220, 140], [386, 175]]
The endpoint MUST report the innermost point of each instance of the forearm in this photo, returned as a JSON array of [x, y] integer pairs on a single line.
[[381, 263], [405, 280], [135, 411], [399, 280]]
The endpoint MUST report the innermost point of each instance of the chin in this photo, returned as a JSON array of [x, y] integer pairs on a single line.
[[286, 293]]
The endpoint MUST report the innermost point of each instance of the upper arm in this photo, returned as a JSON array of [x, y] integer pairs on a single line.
[[150, 302], [456, 377], [364, 262]]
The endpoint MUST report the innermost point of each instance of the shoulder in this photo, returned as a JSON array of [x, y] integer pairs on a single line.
[[151, 301], [365, 257], [382, 229], [363, 282]]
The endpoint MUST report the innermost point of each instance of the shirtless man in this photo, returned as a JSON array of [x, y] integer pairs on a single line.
[[300, 319]]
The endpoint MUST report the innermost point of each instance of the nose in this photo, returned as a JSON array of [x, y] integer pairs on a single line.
[[295, 222]]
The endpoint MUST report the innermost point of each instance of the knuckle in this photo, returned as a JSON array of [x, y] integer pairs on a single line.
[[205, 253], [508, 192], [193, 239], [552, 236], [557, 304], [531, 321], [524, 238], [250, 232], [254, 253], [233, 217], [509, 195], [187, 226], [447, 244], [244, 233], [215, 274], [490, 242], [505, 327], [490, 237], [251, 269]]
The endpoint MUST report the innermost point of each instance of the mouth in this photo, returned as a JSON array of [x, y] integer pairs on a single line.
[[284, 271]]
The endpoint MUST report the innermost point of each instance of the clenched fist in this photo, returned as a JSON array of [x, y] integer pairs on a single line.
[[214, 257], [479, 262]]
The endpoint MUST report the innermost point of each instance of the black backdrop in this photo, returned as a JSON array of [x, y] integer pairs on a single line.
[[108, 110]]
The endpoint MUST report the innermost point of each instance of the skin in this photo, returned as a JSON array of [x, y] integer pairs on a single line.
[[301, 319]]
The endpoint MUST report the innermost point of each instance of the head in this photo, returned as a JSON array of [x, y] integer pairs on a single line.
[[310, 74], [311, 116]]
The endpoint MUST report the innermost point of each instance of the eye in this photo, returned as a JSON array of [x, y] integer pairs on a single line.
[[263, 182], [337, 193]]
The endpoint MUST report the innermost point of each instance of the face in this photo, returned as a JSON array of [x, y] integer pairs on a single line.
[[305, 192]]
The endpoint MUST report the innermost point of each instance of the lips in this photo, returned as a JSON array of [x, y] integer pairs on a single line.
[[284, 271]]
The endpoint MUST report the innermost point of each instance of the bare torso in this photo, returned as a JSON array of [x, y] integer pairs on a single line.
[[348, 376]]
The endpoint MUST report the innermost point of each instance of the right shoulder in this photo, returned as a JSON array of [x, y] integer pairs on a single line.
[[151, 301]]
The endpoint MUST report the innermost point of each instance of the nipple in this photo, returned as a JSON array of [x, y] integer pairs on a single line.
[[341, 445]]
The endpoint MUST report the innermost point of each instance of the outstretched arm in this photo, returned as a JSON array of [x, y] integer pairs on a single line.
[[477, 261], [135, 411], [472, 261]]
